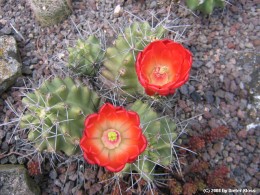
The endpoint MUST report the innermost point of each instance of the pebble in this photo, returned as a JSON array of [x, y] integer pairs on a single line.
[[196, 97], [218, 147], [209, 97], [53, 174], [242, 134], [229, 159], [239, 148]]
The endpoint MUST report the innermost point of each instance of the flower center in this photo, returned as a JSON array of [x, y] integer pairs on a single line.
[[159, 75], [111, 138], [160, 70]]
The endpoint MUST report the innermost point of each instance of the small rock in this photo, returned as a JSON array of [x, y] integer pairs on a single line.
[[206, 156], [212, 152], [229, 97], [53, 174], [231, 45], [233, 86], [117, 11], [256, 42], [253, 183], [5, 31], [213, 123], [241, 114], [229, 159], [220, 93], [2, 134], [191, 89], [218, 147], [242, 133], [239, 148], [209, 97], [68, 187], [238, 171], [184, 90], [197, 64], [12, 159], [251, 171], [182, 104], [196, 97]]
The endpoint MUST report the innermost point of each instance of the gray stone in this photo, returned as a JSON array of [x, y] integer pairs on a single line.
[[10, 66], [14, 179], [53, 174], [209, 97], [184, 90]]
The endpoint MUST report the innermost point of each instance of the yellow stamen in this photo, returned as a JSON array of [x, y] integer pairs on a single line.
[[163, 70], [112, 136]]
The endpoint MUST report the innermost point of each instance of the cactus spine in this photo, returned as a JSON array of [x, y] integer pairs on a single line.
[[84, 58], [55, 114], [205, 6], [160, 133], [119, 61]]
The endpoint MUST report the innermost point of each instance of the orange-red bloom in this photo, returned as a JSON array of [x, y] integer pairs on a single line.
[[163, 66], [112, 138]]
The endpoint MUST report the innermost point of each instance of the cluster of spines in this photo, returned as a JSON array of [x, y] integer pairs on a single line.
[[160, 133], [85, 57], [55, 114]]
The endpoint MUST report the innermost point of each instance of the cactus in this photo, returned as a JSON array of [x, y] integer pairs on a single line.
[[159, 133], [119, 62], [205, 6], [55, 115], [84, 58]]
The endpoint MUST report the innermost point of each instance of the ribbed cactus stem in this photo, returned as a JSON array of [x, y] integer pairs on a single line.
[[205, 6], [160, 133], [119, 61], [85, 56], [55, 114]]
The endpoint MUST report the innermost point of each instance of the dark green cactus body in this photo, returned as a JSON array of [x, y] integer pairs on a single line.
[[205, 6], [160, 134], [84, 58], [119, 61], [55, 115]]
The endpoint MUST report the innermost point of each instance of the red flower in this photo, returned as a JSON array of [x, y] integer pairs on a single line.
[[163, 66], [112, 138]]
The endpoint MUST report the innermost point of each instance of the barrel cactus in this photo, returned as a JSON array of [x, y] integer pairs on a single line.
[[55, 114], [205, 6], [85, 56], [160, 133], [119, 61]]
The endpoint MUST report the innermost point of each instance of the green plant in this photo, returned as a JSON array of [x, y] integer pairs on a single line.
[[85, 56], [205, 6], [119, 62], [160, 134], [55, 114]]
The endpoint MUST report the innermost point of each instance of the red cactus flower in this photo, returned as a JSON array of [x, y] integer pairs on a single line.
[[112, 138], [163, 66]]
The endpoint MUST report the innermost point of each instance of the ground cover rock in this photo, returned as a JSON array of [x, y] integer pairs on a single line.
[[10, 66], [14, 179]]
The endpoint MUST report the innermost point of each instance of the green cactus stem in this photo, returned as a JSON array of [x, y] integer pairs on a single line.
[[85, 56], [205, 6], [55, 114], [119, 61], [159, 133]]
